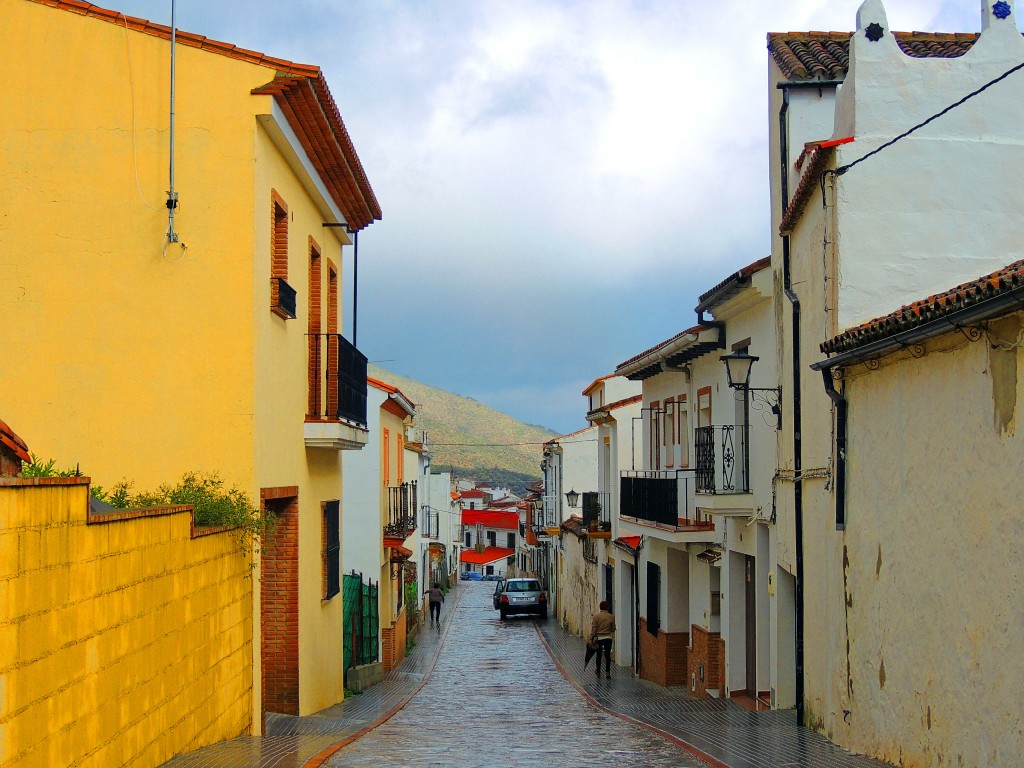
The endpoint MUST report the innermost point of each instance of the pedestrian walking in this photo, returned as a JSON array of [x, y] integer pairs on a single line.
[[602, 632], [436, 598]]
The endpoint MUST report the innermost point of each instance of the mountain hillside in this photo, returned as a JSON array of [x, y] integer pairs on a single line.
[[489, 445]]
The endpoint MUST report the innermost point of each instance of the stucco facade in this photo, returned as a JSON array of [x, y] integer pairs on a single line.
[[154, 357], [902, 595]]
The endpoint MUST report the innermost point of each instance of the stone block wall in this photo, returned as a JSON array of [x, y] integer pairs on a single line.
[[125, 637]]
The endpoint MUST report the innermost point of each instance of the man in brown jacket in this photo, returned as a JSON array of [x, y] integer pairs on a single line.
[[602, 632]]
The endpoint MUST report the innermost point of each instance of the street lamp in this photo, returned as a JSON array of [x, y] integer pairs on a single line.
[[573, 498], [737, 368]]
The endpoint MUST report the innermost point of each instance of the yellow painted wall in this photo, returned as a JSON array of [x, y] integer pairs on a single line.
[[153, 360], [389, 610], [122, 643], [280, 399], [141, 350]]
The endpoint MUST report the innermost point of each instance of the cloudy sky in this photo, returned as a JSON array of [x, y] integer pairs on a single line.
[[559, 179]]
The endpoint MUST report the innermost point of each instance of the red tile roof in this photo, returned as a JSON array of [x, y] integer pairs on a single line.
[[490, 518], [826, 55], [632, 542], [13, 443], [595, 382], [815, 156], [472, 494], [301, 92], [732, 285], [489, 555], [571, 434], [1006, 281], [616, 405]]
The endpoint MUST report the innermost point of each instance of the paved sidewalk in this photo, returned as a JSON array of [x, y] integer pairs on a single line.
[[718, 731], [306, 742]]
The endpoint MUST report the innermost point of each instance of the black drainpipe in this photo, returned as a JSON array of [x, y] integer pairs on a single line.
[[798, 486], [636, 604], [841, 408], [798, 491]]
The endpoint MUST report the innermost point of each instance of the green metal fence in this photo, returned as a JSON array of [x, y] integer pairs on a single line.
[[362, 620]]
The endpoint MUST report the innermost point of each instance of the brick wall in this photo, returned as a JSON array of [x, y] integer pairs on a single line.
[[393, 641], [708, 652], [279, 600], [125, 638], [664, 659]]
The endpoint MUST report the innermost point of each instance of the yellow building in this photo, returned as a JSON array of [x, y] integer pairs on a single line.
[[156, 340]]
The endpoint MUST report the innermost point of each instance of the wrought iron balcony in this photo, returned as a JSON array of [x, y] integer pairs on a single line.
[[337, 393], [721, 454], [282, 298], [663, 498], [401, 511], [431, 523]]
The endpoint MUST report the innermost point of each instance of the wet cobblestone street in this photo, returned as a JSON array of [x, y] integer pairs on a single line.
[[495, 698]]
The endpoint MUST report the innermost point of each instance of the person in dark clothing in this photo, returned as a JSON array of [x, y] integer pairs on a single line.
[[436, 598], [602, 632]]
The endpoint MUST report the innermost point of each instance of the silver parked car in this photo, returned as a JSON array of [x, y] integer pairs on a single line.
[[521, 596]]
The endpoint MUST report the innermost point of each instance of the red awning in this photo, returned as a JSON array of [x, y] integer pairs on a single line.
[[488, 556], [632, 543]]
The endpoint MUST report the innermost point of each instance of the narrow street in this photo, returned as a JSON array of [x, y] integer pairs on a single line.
[[495, 698]]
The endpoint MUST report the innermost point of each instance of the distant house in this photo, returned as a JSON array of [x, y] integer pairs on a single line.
[[490, 540]]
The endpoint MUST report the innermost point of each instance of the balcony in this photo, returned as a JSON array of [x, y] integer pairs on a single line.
[[597, 521], [336, 408], [722, 460], [401, 514], [431, 523], [663, 499], [282, 298]]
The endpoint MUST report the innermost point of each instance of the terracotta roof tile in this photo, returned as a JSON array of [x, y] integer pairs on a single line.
[[826, 55], [1006, 280], [731, 285], [814, 158], [14, 443]]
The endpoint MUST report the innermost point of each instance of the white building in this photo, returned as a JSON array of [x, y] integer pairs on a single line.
[[904, 468]]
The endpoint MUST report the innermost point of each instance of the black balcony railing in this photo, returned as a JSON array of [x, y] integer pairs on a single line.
[[401, 511], [431, 523], [337, 379], [661, 497], [721, 457], [282, 296], [596, 511]]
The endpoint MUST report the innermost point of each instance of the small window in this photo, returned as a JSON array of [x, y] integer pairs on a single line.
[[511, 541], [653, 598], [282, 295], [492, 539], [331, 548]]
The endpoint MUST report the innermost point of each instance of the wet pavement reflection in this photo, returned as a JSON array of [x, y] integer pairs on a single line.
[[495, 698]]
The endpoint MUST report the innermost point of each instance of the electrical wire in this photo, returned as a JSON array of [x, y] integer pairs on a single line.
[[843, 169]]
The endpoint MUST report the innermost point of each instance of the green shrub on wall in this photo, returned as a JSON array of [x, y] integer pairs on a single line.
[[212, 501]]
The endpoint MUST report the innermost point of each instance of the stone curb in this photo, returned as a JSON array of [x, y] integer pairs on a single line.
[[321, 757], [685, 745]]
